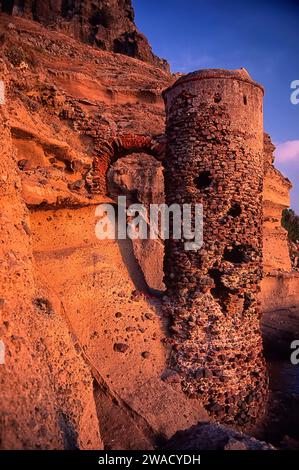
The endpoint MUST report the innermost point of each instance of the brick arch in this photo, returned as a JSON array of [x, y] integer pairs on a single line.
[[118, 147]]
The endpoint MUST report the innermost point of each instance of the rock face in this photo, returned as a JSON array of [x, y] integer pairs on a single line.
[[140, 178], [279, 288], [122, 332], [107, 24], [212, 291], [276, 198], [46, 397], [213, 437]]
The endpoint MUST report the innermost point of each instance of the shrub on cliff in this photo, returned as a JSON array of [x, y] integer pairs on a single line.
[[290, 221]]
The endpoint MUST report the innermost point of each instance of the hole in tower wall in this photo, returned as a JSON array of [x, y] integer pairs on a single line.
[[198, 260], [245, 99], [203, 180], [219, 291], [247, 302], [235, 210], [217, 98], [236, 255]]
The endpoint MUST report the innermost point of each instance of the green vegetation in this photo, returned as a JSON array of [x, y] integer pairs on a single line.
[[290, 221]]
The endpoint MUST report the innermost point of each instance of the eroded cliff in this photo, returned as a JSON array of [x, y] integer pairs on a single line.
[[276, 199], [106, 24], [46, 388]]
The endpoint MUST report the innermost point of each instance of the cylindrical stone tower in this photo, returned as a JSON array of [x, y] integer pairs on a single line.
[[215, 157]]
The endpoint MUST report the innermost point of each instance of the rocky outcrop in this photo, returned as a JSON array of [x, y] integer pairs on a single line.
[[60, 122], [139, 177], [107, 24], [279, 288], [213, 437], [276, 197], [46, 397]]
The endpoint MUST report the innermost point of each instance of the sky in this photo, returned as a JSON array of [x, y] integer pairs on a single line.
[[262, 36]]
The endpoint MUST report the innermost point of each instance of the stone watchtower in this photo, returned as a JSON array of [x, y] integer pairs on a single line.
[[215, 157]]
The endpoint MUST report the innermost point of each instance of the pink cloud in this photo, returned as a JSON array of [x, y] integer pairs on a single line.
[[287, 151]]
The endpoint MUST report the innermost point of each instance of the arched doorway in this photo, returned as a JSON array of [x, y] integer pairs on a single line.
[[110, 151]]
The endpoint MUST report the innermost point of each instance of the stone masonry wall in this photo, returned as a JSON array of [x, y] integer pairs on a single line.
[[214, 156]]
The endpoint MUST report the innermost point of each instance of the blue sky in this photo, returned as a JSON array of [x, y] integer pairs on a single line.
[[262, 36]]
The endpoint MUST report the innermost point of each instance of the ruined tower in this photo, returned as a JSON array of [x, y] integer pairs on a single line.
[[215, 157]]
